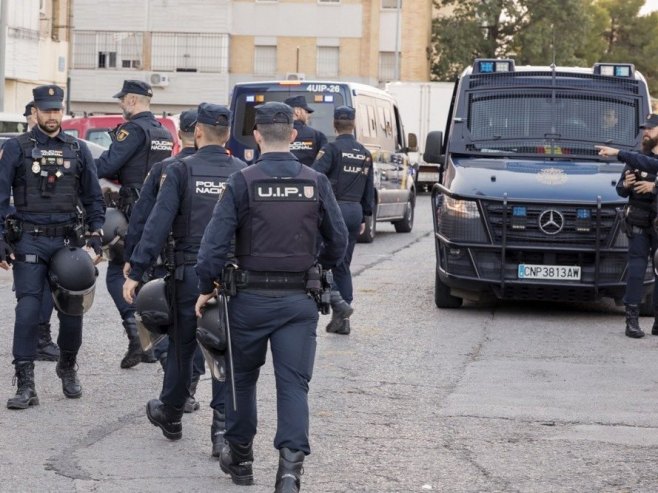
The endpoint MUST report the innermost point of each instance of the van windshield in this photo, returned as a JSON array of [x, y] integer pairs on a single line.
[[540, 122], [321, 119]]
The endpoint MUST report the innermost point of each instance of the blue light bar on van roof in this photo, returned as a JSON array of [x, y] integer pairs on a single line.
[[492, 65], [614, 69]]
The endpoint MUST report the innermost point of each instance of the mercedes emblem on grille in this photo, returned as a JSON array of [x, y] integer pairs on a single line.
[[551, 221]]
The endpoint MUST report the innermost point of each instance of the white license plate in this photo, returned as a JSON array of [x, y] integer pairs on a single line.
[[424, 176], [549, 272]]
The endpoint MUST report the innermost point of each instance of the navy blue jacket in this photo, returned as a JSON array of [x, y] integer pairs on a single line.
[[231, 212], [329, 163], [635, 160], [308, 143], [120, 151], [91, 197], [147, 196], [167, 205]]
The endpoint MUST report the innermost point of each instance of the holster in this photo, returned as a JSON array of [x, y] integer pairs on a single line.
[[637, 216], [13, 230], [127, 198]]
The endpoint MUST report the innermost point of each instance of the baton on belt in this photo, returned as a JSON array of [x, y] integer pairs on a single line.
[[222, 298]]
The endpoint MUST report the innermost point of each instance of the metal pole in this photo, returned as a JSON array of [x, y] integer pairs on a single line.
[[397, 40], [4, 4]]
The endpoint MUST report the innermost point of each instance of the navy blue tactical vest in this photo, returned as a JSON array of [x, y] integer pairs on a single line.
[[205, 185], [49, 180], [348, 179], [282, 222], [306, 145], [157, 147]]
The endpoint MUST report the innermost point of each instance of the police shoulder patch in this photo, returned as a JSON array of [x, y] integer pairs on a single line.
[[122, 134], [163, 177], [320, 154]]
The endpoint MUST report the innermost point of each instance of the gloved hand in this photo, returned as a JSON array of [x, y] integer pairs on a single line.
[[5, 251], [94, 242]]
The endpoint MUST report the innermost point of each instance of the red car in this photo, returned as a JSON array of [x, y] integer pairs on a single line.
[[95, 128]]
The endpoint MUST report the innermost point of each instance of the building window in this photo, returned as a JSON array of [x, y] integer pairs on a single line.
[[189, 52], [387, 65], [265, 60], [391, 4], [327, 61], [107, 50]]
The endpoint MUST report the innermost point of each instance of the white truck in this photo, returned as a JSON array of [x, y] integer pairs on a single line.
[[424, 107]]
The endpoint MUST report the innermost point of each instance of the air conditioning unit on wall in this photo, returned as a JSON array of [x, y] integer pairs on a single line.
[[159, 80], [295, 76]]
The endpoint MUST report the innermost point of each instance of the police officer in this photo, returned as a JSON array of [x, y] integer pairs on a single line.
[[349, 167], [308, 141], [638, 183], [53, 178], [138, 217], [47, 350], [277, 209], [138, 144], [189, 191]]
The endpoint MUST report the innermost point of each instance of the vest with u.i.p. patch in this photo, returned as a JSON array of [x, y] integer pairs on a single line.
[[49, 180], [205, 185], [281, 227], [350, 176], [158, 146]]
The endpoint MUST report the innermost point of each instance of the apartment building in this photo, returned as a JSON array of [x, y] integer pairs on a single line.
[[37, 46], [195, 50]]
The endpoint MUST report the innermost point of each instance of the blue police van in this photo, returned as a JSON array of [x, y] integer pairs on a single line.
[[525, 208], [378, 127]]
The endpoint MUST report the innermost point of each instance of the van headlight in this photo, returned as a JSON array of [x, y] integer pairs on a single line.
[[460, 220]]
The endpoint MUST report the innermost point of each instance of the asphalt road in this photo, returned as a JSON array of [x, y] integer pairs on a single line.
[[501, 397]]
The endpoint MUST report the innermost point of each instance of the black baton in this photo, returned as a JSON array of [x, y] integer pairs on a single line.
[[229, 351]]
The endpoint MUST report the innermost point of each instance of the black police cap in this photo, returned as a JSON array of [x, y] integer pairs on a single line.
[[48, 97], [299, 102], [134, 87], [273, 112], [188, 120], [651, 121], [214, 114], [28, 109], [344, 113]]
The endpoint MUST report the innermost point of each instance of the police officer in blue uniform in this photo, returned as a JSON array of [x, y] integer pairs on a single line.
[[55, 185], [47, 350], [278, 211], [138, 144], [189, 191], [308, 141], [348, 164], [638, 182]]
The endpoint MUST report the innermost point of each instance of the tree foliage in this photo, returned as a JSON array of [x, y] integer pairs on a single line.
[[538, 32]]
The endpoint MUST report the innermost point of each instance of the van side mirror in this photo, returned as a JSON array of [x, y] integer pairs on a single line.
[[412, 140], [434, 147]]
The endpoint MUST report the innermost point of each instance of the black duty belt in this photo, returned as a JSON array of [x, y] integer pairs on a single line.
[[270, 280], [182, 258], [59, 229], [29, 258]]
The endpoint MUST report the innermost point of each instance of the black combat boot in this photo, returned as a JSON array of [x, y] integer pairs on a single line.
[[165, 417], [236, 460], [47, 350], [25, 396], [289, 472], [67, 371], [217, 432], [340, 314], [654, 329], [133, 356], [191, 404], [632, 325]]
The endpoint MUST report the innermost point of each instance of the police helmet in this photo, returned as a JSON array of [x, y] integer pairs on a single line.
[[114, 232], [152, 309], [72, 277], [211, 336]]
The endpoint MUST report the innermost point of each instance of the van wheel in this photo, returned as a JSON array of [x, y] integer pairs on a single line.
[[371, 228], [406, 224], [442, 296]]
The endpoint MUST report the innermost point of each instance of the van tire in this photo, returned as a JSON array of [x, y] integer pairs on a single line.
[[406, 224], [371, 228], [442, 296]]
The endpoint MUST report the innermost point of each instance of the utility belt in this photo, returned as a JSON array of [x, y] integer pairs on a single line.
[[73, 230], [315, 281], [638, 216], [182, 258]]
